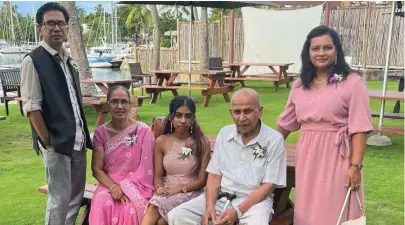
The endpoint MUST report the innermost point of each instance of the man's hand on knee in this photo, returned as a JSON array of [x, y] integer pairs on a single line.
[[229, 217]]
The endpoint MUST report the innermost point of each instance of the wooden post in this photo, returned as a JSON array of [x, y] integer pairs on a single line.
[[365, 35], [178, 42], [231, 36], [221, 37], [326, 15]]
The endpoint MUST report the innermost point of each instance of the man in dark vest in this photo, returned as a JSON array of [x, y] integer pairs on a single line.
[[51, 95]]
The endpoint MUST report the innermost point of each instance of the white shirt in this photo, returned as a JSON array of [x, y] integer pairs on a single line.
[[31, 93], [235, 162]]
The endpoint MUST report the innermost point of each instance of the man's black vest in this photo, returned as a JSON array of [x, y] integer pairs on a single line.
[[57, 109]]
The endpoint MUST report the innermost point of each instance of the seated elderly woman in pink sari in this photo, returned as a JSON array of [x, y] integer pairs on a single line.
[[123, 165]]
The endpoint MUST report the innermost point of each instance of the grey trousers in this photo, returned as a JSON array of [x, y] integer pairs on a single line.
[[190, 213], [66, 178]]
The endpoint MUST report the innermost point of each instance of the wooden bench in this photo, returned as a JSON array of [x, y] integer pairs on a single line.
[[389, 115], [10, 82], [148, 87], [139, 98], [90, 188], [390, 130], [269, 78]]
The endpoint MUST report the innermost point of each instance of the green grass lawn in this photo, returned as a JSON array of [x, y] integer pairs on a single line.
[[21, 170]]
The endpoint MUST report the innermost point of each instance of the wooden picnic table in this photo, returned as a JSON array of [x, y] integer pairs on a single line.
[[105, 84], [2, 118], [165, 82], [389, 95], [277, 76]]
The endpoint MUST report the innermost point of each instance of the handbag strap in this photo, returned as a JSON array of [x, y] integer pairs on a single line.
[[345, 203]]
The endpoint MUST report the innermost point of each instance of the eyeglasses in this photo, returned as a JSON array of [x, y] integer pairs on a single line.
[[116, 102], [52, 24]]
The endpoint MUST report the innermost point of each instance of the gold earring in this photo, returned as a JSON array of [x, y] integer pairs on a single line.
[[191, 128], [171, 126], [335, 60]]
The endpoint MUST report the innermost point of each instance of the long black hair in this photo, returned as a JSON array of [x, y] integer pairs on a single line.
[[195, 130], [308, 71]]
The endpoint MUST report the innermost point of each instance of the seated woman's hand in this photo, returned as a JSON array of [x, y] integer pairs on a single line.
[[161, 191], [124, 199], [116, 192], [173, 190]]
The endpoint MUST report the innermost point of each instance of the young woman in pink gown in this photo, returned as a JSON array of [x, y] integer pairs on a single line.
[[329, 103], [182, 154], [123, 165]]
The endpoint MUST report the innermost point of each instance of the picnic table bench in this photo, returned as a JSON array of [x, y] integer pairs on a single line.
[[278, 77], [283, 206], [389, 115], [389, 95], [101, 107], [166, 82]]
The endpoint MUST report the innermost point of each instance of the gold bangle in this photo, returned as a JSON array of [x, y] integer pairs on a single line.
[[112, 186]]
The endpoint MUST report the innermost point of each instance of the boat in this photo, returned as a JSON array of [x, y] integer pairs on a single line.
[[13, 50]]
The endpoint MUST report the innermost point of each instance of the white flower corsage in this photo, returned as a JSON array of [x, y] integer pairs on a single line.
[[335, 78], [131, 139], [74, 64], [259, 151], [185, 152]]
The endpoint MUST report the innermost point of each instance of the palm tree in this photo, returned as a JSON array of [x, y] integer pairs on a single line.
[[76, 44], [139, 19], [156, 37], [204, 39], [183, 9]]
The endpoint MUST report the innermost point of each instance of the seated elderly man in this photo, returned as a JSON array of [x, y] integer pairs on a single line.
[[249, 161]]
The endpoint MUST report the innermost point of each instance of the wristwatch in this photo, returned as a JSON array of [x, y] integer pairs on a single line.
[[357, 166], [238, 212]]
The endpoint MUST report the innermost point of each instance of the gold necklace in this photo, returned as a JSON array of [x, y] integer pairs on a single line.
[[319, 82]]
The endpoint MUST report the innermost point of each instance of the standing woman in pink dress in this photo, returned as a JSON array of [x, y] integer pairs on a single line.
[[329, 103], [123, 165], [182, 154]]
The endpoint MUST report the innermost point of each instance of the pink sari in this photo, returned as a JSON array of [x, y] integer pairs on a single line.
[[128, 160]]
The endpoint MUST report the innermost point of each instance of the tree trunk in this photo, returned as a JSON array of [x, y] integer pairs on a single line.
[[156, 38], [195, 13], [77, 46], [204, 49]]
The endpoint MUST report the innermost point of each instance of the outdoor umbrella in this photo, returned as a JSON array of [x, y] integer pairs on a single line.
[[210, 4]]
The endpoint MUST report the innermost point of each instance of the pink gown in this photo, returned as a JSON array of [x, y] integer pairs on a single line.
[[327, 117], [178, 172], [128, 160]]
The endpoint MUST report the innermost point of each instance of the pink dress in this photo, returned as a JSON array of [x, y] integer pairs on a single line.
[[128, 160], [327, 117], [178, 172]]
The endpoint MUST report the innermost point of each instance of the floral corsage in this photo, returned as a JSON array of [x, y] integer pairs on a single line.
[[259, 151], [132, 138], [336, 78], [185, 152]]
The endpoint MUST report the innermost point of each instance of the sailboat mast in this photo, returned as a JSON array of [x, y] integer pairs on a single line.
[[112, 23], [12, 23], [116, 23], [105, 32], [35, 27]]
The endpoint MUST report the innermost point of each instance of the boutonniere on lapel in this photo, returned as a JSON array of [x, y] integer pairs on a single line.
[[336, 78], [185, 152], [132, 138], [259, 151], [74, 64]]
